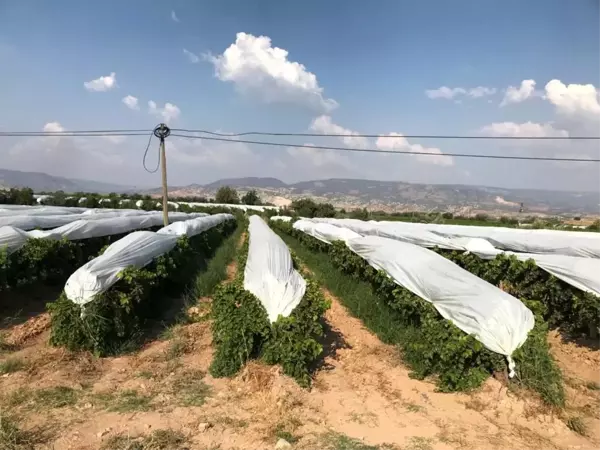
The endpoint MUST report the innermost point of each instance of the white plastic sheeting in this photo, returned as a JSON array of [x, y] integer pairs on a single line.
[[498, 320], [578, 271], [259, 208], [137, 249], [97, 226], [194, 227], [582, 273], [325, 232], [270, 273], [282, 218], [569, 243]]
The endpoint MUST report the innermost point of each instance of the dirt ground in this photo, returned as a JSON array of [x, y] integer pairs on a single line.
[[362, 398]]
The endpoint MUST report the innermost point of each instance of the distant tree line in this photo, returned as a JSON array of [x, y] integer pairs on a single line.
[[303, 207]]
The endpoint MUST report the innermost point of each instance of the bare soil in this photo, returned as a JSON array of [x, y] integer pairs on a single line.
[[362, 397]]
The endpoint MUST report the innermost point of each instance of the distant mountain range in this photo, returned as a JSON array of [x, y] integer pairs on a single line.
[[39, 181], [349, 193], [399, 196]]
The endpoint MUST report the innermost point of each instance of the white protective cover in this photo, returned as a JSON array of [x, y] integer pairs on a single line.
[[578, 271], [582, 273], [554, 242], [194, 227], [282, 218], [325, 232], [12, 238], [498, 320], [90, 227], [270, 273], [137, 249]]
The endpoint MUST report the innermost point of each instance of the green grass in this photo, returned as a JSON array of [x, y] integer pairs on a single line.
[[355, 294], [12, 365], [125, 401], [216, 270], [190, 389], [55, 397]]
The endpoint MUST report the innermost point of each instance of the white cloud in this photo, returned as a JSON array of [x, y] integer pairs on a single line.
[[397, 141], [519, 94], [574, 99], [444, 92], [317, 157], [131, 102], [82, 156], [169, 113], [102, 84], [481, 91], [192, 57], [512, 129], [447, 93], [199, 152], [174, 17], [324, 125], [257, 68], [53, 127]]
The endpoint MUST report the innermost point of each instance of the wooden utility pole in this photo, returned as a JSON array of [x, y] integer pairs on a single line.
[[161, 132]]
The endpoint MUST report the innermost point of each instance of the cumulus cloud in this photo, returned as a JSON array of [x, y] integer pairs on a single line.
[[52, 154], [174, 17], [447, 93], [519, 94], [257, 68], [392, 141], [131, 102], [512, 129], [102, 84], [53, 127], [169, 112], [324, 125], [192, 57], [574, 99], [396, 141], [308, 159]]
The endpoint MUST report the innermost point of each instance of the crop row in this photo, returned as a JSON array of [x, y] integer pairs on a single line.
[[241, 329], [118, 315], [433, 346], [565, 306], [47, 260]]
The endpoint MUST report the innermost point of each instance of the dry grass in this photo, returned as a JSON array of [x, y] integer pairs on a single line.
[[190, 389], [167, 439], [12, 365]]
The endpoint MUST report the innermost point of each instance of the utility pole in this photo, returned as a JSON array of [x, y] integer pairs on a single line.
[[162, 131]]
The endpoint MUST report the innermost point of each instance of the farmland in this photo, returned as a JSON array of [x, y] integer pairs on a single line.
[[230, 329]]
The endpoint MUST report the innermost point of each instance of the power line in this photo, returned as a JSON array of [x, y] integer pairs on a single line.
[[97, 133], [394, 152], [140, 132], [412, 136]]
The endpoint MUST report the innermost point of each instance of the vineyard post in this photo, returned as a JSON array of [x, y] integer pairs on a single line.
[[162, 131]]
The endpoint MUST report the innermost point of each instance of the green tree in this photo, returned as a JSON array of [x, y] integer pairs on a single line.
[[361, 214], [307, 207], [251, 198], [227, 194]]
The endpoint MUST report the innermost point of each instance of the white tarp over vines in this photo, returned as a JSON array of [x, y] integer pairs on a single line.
[[270, 273], [137, 249], [13, 238]]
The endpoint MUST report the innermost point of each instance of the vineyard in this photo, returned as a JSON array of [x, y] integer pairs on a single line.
[[240, 303]]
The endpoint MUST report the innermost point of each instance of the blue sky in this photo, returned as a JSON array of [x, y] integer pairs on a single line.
[[383, 67]]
